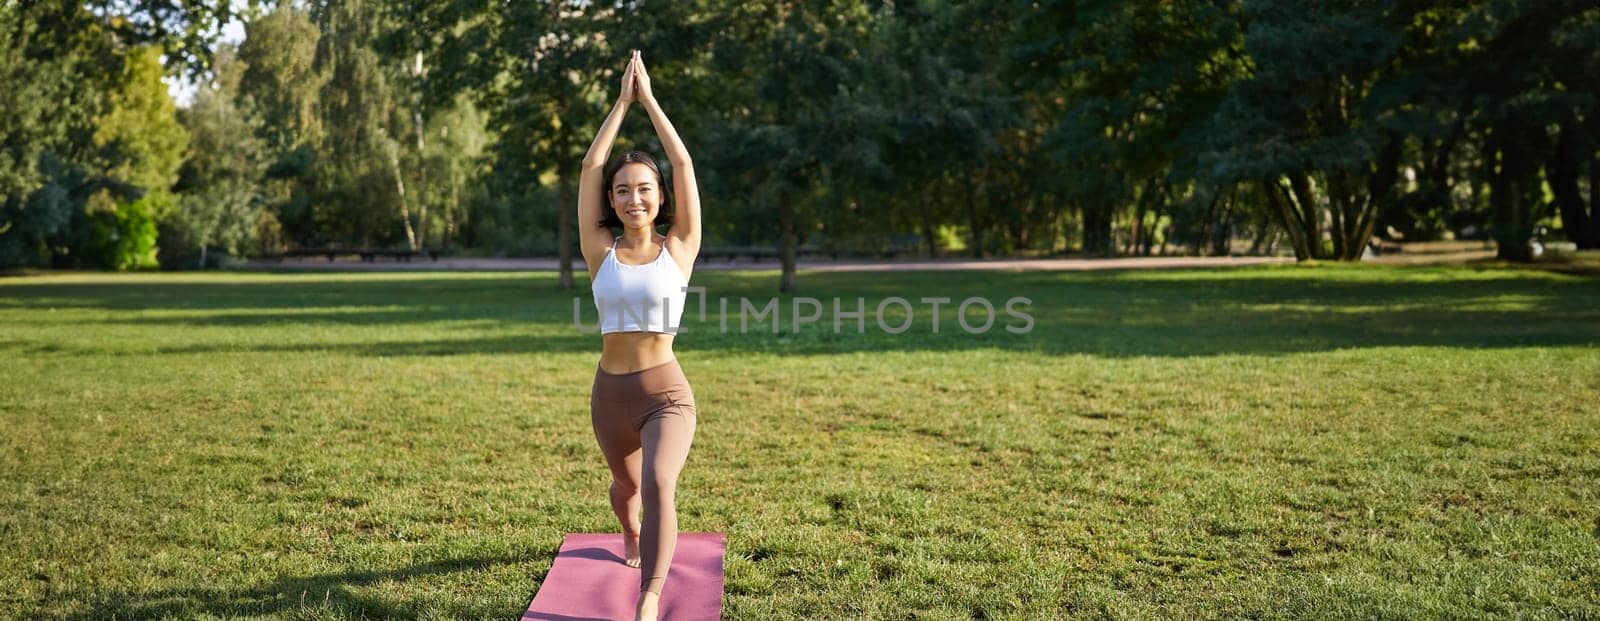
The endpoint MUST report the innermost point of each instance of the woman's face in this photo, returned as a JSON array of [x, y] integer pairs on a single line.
[[635, 195]]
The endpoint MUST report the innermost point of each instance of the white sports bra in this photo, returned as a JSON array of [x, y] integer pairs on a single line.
[[639, 298]]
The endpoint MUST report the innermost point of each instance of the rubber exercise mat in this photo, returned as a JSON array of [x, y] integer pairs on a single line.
[[589, 582]]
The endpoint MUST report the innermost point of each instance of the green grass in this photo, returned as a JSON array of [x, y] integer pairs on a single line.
[[1333, 441]]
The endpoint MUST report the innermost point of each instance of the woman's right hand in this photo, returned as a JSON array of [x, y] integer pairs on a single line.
[[629, 93]]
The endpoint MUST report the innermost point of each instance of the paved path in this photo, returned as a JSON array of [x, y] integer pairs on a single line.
[[1059, 265]]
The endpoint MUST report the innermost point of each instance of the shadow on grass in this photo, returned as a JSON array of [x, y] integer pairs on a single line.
[[338, 592], [1264, 311]]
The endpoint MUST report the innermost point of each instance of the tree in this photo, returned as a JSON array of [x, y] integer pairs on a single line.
[[937, 121], [221, 179], [183, 30], [139, 144], [1531, 106], [358, 172], [57, 63], [1129, 90], [787, 74], [282, 82], [455, 159], [89, 139], [1310, 123], [540, 70]]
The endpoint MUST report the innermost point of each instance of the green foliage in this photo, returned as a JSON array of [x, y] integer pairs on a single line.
[[25, 129], [182, 29], [57, 63], [455, 159], [124, 237], [358, 169], [1035, 127], [223, 202], [1130, 89], [29, 223], [140, 139], [139, 146], [282, 81], [280, 77]]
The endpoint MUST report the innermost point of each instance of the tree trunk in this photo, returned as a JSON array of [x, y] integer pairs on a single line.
[[1355, 208], [455, 208], [786, 245], [1361, 234], [569, 205], [405, 211], [1135, 227], [928, 237], [1579, 219], [1380, 194], [1223, 244], [1208, 225], [976, 235], [1594, 196], [1511, 226], [1342, 205], [1018, 227], [1156, 208], [1259, 241], [422, 161], [1097, 228], [1310, 214], [1057, 227], [1288, 217]]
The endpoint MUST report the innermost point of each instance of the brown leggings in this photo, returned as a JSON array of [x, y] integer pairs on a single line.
[[650, 409]]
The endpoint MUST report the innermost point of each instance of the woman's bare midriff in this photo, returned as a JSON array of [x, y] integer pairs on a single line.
[[626, 352]]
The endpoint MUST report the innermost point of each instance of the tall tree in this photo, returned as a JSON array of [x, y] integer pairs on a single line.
[[1310, 123], [361, 188], [937, 120], [1129, 88], [282, 82], [418, 32], [1531, 85], [57, 63], [787, 73], [139, 144], [223, 202], [539, 68]]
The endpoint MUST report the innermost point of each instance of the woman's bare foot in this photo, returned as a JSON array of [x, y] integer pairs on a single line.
[[647, 606], [630, 549]]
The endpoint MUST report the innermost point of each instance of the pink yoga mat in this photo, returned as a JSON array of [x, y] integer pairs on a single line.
[[589, 581]]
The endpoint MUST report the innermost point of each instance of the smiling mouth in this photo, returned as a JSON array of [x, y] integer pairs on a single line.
[[635, 212]]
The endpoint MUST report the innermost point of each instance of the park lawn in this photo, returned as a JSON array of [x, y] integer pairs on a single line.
[[1343, 441]]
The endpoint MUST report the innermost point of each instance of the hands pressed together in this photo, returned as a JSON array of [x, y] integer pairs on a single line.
[[635, 81]]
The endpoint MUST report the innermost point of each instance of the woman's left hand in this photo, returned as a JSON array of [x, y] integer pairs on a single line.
[[641, 79]]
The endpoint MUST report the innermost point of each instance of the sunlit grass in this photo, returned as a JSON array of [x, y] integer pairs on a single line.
[[1279, 441]]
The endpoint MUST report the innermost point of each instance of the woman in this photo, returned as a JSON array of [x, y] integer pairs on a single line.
[[641, 399]]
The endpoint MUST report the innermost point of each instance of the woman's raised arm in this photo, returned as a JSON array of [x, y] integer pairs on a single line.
[[594, 240], [686, 193]]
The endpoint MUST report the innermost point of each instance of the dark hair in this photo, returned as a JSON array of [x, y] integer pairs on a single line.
[[608, 216]]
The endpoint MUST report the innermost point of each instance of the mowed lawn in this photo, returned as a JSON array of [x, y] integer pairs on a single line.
[[1336, 441]]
